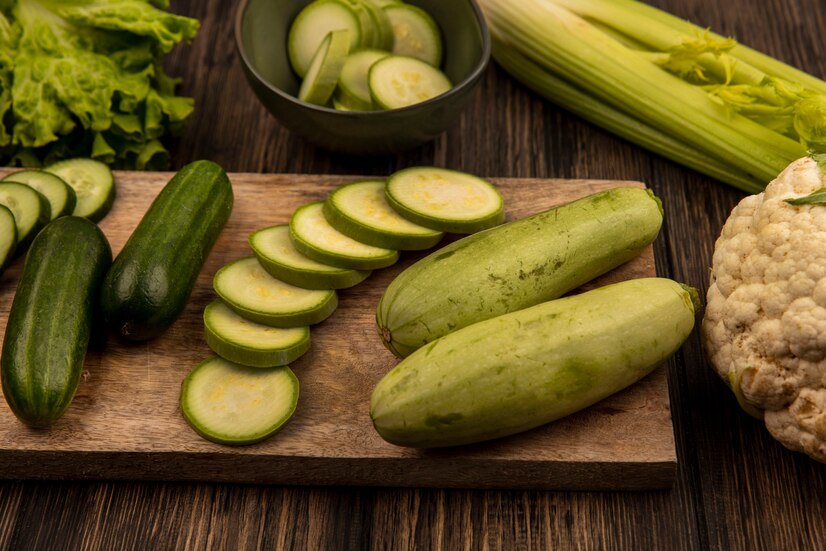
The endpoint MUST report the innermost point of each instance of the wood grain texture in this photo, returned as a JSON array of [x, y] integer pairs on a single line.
[[736, 488], [125, 422]]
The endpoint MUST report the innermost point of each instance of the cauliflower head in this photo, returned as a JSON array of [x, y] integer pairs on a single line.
[[765, 322]]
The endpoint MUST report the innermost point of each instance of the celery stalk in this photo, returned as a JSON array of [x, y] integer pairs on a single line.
[[586, 55], [613, 120]]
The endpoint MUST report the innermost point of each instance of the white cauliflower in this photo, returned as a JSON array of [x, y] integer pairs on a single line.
[[765, 322]]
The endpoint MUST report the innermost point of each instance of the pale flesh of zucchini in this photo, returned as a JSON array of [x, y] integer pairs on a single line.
[[8, 236], [60, 196], [445, 199], [360, 210], [313, 235], [251, 292], [93, 184], [325, 68], [415, 34], [311, 27], [355, 90], [248, 343], [233, 404], [278, 255], [30, 209], [397, 82]]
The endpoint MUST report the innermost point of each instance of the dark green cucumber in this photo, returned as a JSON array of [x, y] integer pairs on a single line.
[[153, 276], [516, 265], [51, 319]]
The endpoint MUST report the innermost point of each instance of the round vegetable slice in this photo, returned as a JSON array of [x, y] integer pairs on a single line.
[[248, 343], [93, 184], [383, 29], [415, 33], [251, 292], [30, 209], [277, 254], [236, 405], [8, 237], [322, 76], [445, 200], [61, 197], [360, 210], [314, 237], [312, 26], [353, 86], [398, 81]]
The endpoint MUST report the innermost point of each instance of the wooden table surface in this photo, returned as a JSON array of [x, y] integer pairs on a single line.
[[736, 487]]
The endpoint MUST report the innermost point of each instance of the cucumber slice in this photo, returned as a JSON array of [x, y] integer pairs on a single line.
[[312, 26], [30, 209], [8, 237], [415, 34], [233, 404], [322, 76], [383, 29], [251, 292], [354, 90], [360, 210], [61, 197], [93, 184], [313, 236], [277, 254], [445, 200], [248, 343], [398, 81]]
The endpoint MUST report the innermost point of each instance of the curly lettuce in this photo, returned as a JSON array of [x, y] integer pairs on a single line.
[[84, 78]]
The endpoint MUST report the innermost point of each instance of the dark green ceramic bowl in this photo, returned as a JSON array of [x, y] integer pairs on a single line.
[[261, 29]]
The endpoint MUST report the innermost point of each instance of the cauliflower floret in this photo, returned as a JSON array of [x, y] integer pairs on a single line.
[[765, 322]]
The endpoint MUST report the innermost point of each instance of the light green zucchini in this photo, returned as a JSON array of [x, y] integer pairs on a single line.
[[527, 368], [516, 265]]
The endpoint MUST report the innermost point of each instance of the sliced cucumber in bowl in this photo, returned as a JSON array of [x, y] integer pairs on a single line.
[[30, 209], [93, 183], [415, 33], [445, 200], [232, 404], [59, 194], [278, 256], [360, 210], [354, 89], [254, 294], [314, 237], [313, 25], [8, 237], [322, 76], [244, 342], [398, 81]]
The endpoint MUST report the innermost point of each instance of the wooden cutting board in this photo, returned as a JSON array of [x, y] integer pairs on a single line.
[[125, 423]]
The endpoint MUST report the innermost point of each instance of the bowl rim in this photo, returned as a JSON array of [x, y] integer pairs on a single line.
[[457, 89]]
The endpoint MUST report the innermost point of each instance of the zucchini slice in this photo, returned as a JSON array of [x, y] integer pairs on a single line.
[[61, 197], [30, 209], [254, 294], [415, 33], [314, 237], [383, 29], [322, 76], [248, 343], [277, 254], [360, 210], [354, 90], [313, 25], [93, 184], [445, 200], [398, 81], [236, 405], [8, 237]]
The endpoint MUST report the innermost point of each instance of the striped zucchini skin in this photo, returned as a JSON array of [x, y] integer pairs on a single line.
[[51, 319], [516, 265], [153, 276], [527, 368]]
